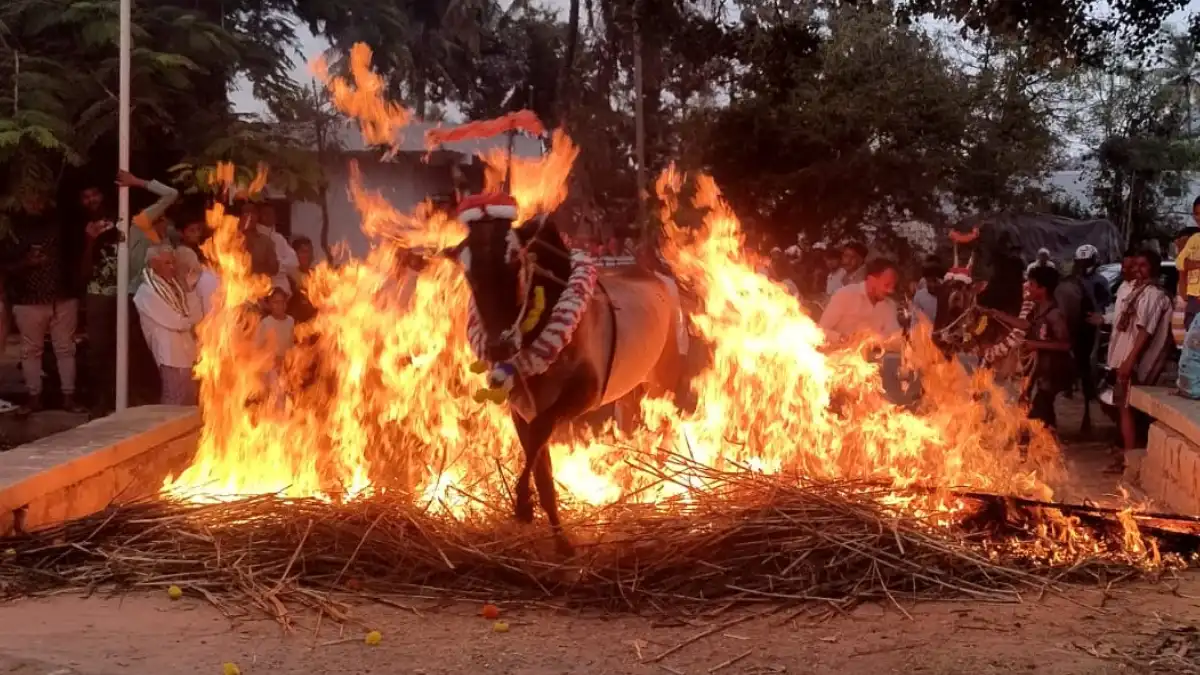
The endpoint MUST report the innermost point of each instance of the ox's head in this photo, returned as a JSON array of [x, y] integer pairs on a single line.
[[957, 298], [502, 269], [492, 257]]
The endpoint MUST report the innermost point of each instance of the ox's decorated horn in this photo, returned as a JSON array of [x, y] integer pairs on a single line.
[[520, 121], [957, 272]]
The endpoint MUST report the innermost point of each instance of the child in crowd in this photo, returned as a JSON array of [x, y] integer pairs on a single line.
[[192, 236], [277, 334]]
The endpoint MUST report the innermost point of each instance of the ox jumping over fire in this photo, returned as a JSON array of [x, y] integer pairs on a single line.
[[557, 336]]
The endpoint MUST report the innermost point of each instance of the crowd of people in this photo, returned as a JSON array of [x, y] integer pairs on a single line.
[[70, 294], [57, 297], [853, 295]]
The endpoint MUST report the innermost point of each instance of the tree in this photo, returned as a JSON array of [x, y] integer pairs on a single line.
[[1087, 32], [1136, 126], [420, 46], [59, 76], [311, 120], [1018, 105], [868, 124]]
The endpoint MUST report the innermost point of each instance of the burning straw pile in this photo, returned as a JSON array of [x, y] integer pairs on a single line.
[[752, 538]]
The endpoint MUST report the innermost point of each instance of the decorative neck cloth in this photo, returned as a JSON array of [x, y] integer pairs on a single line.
[[167, 289], [537, 356]]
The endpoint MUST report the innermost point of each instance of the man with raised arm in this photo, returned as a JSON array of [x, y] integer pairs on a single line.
[[98, 270]]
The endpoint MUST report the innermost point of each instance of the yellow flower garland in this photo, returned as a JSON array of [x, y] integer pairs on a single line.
[[495, 394], [983, 323], [535, 312]]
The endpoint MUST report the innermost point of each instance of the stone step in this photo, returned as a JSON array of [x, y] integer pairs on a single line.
[[120, 458]]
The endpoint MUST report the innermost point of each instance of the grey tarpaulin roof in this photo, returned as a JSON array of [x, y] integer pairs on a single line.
[[1032, 231]]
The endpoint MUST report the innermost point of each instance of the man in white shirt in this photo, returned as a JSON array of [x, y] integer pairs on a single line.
[[169, 312], [864, 308], [289, 264], [1043, 260], [925, 299], [1140, 330], [779, 271]]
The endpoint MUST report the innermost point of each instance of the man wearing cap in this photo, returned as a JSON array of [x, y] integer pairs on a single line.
[[1082, 298]]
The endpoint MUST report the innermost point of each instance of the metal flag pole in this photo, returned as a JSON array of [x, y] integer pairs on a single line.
[[512, 135], [123, 300]]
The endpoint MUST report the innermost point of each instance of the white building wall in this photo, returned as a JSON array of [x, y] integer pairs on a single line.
[[402, 184]]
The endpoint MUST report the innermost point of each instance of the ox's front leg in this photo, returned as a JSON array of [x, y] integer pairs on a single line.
[[535, 436], [523, 509], [578, 394]]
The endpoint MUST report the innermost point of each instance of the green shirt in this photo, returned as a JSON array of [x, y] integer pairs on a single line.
[[104, 274]]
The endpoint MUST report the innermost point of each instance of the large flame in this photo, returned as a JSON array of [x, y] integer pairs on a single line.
[[377, 394]]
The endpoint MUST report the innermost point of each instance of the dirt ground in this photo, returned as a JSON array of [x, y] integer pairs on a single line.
[[1086, 631], [1082, 633]]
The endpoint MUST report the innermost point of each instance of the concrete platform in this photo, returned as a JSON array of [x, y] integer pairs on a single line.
[[122, 457], [1169, 472]]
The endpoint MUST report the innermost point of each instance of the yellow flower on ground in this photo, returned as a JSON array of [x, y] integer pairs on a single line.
[[373, 638]]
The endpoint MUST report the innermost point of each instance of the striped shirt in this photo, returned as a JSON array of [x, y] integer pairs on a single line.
[[1151, 313]]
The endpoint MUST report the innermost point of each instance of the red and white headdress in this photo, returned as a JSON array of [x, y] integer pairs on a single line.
[[958, 272], [487, 205]]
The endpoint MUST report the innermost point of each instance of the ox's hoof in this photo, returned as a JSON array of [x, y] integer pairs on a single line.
[[563, 546], [523, 513]]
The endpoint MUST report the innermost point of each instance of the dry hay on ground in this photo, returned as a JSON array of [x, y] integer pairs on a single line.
[[755, 539]]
